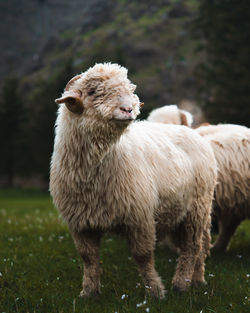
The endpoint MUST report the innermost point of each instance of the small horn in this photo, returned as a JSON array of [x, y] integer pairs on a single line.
[[141, 104], [69, 84]]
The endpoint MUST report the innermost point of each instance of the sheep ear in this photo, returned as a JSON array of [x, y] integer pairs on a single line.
[[72, 102], [186, 118], [183, 119]]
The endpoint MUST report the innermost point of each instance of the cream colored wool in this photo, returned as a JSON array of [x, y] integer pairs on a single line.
[[140, 179], [171, 114], [231, 146]]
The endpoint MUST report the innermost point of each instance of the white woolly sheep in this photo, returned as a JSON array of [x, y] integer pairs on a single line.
[[171, 114], [142, 179], [231, 146]]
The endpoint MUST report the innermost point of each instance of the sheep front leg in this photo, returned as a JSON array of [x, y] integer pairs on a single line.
[[142, 244], [190, 244], [185, 269], [87, 244]]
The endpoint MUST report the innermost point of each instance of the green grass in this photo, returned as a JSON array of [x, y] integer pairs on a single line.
[[41, 270]]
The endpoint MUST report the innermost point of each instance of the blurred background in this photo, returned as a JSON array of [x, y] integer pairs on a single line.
[[194, 53]]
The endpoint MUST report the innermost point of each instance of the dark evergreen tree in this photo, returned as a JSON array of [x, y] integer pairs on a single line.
[[11, 138], [223, 27], [42, 115]]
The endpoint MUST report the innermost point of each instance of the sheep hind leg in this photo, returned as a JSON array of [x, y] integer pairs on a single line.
[[190, 244], [142, 248], [87, 244], [227, 227], [199, 269]]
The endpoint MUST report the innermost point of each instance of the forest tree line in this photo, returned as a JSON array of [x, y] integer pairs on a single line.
[[222, 28]]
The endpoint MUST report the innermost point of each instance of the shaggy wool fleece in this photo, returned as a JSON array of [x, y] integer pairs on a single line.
[[143, 180], [171, 114], [231, 146]]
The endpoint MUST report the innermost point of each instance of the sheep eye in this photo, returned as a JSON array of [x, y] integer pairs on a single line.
[[91, 92]]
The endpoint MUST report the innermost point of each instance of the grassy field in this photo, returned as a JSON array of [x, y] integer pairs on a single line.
[[40, 270]]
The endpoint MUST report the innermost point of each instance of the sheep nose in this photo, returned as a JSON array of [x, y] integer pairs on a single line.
[[126, 109]]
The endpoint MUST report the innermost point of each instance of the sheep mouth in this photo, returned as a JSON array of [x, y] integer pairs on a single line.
[[123, 120]]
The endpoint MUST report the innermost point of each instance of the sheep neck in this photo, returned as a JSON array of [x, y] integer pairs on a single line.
[[90, 142]]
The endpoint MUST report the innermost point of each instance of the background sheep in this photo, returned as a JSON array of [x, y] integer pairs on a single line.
[[231, 146], [171, 114], [107, 175]]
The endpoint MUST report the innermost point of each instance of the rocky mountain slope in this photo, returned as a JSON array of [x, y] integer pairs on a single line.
[[28, 28], [151, 38]]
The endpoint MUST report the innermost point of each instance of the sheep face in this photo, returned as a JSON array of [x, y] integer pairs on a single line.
[[103, 92]]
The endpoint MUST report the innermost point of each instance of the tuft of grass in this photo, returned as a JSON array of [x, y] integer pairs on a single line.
[[42, 272]]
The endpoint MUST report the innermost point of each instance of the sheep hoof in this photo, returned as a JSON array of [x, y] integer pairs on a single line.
[[218, 248], [86, 292], [177, 289], [198, 283], [156, 291], [180, 286]]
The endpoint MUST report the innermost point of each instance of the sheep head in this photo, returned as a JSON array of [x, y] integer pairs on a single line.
[[102, 92]]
